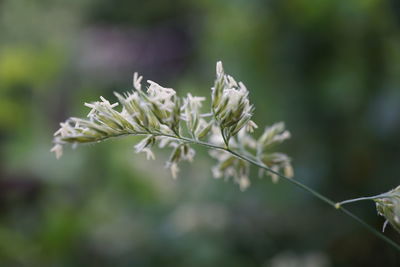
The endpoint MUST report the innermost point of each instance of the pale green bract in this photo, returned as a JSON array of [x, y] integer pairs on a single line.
[[167, 120], [388, 206]]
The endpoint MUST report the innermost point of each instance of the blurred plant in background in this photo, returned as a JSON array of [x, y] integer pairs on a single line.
[[328, 69]]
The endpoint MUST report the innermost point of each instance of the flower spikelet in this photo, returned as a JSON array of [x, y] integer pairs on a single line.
[[166, 120], [230, 105], [388, 206]]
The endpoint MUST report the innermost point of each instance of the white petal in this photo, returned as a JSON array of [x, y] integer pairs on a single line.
[[58, 150], [149, 153], [219, 68]]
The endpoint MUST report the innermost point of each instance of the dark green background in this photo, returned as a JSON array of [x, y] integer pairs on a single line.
[[328, 68]]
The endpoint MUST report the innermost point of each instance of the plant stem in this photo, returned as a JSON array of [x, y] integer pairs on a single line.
[[224, 137], [259, 164], [361, 199], [316, 194]]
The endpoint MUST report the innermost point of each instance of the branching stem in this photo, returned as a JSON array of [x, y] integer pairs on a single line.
[[254, 161], [361, 199], [302, 186]]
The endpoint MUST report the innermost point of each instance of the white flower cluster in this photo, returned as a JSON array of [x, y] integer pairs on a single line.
[[388, 206], [231, 166], [165, 119], [230, 105]]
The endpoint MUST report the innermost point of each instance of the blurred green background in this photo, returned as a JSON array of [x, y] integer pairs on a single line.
[[328, 68]]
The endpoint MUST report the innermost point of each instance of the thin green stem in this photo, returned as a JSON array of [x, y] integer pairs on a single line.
[[259, 164], [224, 137], [300, 185], [361, 199]]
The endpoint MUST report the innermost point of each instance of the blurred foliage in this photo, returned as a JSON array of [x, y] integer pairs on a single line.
[[329, 69]]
